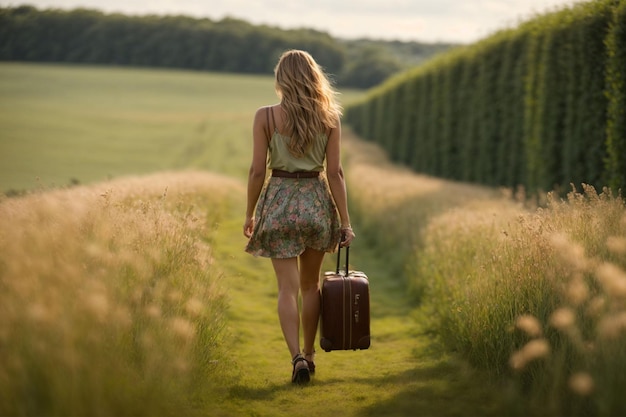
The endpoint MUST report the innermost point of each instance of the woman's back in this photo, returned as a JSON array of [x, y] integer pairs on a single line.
[[280, 156]]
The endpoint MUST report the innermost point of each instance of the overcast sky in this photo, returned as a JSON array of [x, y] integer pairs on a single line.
[[459, 21]]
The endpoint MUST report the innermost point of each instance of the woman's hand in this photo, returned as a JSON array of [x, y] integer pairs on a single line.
[[248, 227], [347, 235]]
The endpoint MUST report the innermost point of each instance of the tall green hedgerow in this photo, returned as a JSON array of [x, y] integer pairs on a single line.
[[538, 106], [508, 152], [616, 93]]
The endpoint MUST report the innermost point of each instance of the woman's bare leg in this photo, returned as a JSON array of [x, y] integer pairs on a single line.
[[310, 268], [288, 279]]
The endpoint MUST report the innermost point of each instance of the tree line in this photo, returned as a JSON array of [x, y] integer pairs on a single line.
[[227, 45], [542, 105]]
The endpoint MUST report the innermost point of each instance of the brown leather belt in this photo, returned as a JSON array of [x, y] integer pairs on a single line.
[[298, 174]]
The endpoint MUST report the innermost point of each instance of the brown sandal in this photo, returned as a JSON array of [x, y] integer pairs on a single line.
[[300, 375]]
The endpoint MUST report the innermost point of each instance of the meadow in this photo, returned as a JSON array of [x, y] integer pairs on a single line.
[[125, 289], [63, 125]]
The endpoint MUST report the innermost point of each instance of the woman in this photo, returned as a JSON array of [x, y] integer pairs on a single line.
[[296, 217]]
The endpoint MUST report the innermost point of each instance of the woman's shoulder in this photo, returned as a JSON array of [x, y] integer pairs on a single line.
[[268, 107], [262, 113]]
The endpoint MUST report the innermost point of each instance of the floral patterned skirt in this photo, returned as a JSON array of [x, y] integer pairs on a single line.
[[292, 215]]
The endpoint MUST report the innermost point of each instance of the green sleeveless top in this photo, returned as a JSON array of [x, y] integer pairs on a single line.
[[281, 158]]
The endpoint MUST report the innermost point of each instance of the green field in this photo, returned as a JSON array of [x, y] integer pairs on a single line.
[[133, 295], [68, 124]]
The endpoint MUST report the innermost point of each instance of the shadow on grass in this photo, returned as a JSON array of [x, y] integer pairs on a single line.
[[436, 390], [266, 393]]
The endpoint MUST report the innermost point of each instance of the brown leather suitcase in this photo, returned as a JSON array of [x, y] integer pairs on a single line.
[[345, 311]]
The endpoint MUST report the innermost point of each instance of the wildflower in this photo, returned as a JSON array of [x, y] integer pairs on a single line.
[[153, 311], [577, 291], [175, 296], [194, 307], [595, 306], [98, 304], [616, 245], [611, 326], [529, 325], [563, 318], [533, 350], [183, 328], [572, 253], [581, 383], [613, 279]]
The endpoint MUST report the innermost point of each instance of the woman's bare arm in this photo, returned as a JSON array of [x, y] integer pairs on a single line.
[[337, 183], [256, 176]]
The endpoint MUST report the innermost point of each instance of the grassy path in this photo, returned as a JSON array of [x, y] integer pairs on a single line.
[[404, 373]]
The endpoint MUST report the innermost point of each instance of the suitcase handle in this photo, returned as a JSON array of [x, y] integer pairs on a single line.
[[339, 258]]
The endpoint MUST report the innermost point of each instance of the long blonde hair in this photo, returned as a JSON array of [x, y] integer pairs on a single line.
[[307, 98]]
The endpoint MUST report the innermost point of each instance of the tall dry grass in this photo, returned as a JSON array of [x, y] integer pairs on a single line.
[[537, 296], [391, 206], [109, 301], [540, 296]]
